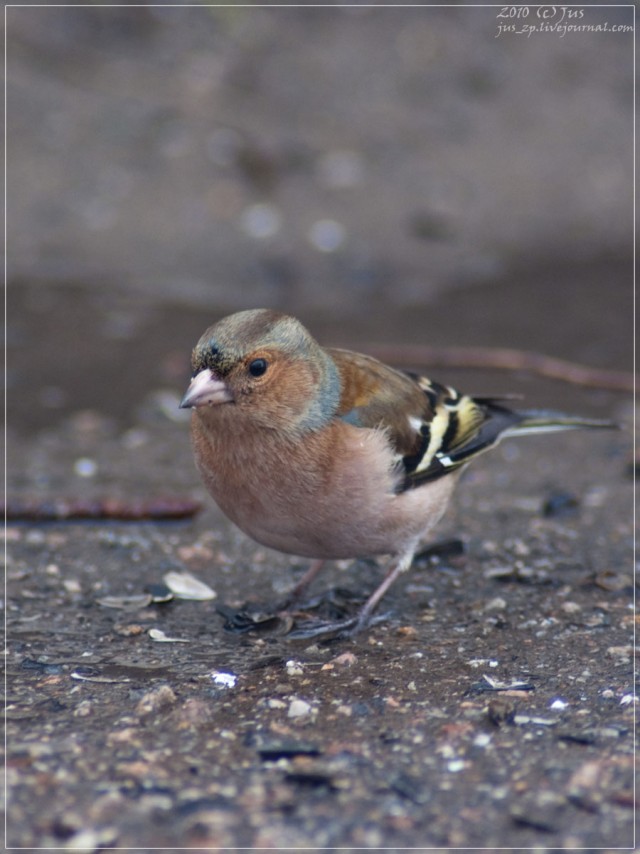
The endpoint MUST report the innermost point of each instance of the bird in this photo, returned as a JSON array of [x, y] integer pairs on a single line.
[[330, 454]]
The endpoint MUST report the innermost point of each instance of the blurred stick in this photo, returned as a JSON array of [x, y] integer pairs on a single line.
[[63, 510], [504, 359]]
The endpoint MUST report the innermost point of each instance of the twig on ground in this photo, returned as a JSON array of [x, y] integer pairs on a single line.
[[131, 510], [503, 358]]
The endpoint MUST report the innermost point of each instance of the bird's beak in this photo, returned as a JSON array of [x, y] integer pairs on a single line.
[[205, 389]]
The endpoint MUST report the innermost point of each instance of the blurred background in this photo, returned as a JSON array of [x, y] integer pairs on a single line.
[[390, 175], [393, 176]]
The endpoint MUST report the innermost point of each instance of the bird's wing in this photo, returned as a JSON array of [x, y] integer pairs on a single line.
[[433, 428]]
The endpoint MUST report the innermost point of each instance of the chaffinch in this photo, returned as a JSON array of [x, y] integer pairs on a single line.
[[331, 454]]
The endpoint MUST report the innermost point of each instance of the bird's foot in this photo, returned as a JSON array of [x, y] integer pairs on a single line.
[[336, 612], [338, 629]]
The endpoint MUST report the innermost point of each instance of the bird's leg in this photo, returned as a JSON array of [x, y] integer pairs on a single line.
[[398, 566], [297, 592], [352, 625]]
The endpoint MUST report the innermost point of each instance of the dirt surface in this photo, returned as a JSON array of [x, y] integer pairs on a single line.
[[483, 190], [494, 704]]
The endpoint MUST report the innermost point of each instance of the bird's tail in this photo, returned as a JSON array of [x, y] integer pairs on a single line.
[[543, 421], [495, 423]]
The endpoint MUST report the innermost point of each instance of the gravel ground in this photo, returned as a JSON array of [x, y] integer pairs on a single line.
[[493, 706]]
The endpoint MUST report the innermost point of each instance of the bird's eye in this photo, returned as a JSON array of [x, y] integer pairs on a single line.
[[257, 367]]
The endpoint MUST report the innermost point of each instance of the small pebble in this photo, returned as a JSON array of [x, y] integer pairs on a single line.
[[160, 637], [570, 607], [129, 630], [407, 631], [90, 839], [154, 701], [72, 585], [299, 708], [613, 581], [623, 652], [83, 709], [345, 659], [193, 712], [224, 680]]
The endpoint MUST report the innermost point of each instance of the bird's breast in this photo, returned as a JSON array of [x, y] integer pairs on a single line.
[[330, 495]]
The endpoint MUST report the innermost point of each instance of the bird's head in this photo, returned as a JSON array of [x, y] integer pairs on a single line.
[[267, 367]]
